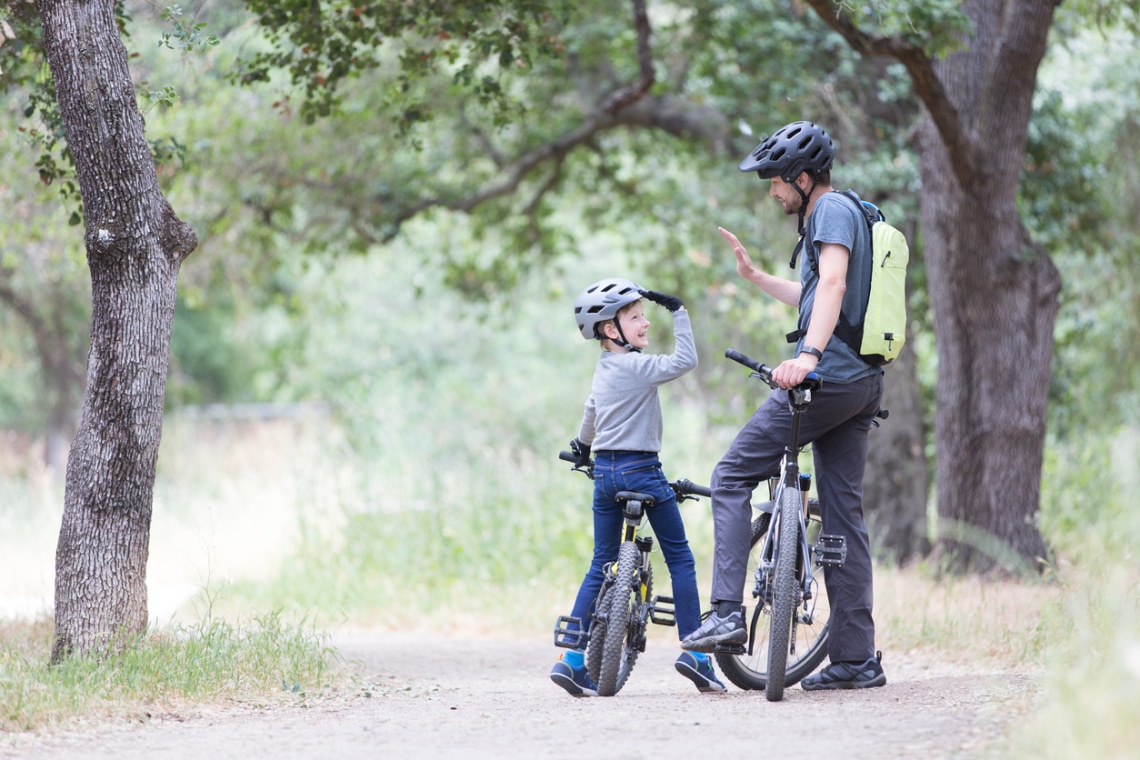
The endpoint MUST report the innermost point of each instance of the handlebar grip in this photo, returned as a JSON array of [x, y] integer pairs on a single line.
[[812, 382], [747, 361], [686, 486], [567, 456]]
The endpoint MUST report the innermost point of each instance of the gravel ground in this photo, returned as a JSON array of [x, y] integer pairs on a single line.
[[491, 698]]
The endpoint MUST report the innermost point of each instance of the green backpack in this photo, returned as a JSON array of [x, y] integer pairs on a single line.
[[880, 336]]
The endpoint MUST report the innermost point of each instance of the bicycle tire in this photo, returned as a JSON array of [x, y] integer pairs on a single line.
[[785, 594], [619, 652], [596, 641], [750, 672]]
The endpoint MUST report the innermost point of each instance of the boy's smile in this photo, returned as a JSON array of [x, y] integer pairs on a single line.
[[635, 326]]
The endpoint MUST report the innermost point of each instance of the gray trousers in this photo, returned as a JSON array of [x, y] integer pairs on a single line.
[[836, 425]]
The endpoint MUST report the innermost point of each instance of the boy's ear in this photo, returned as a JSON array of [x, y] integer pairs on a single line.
[[609, 330]]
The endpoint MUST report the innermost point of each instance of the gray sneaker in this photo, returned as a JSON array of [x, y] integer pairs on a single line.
[[716, 630], [848, 675]]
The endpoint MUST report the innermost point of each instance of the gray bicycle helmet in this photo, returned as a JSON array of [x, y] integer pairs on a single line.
[[798, 147], [601, 302]]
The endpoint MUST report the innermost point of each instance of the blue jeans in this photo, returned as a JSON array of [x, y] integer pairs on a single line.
[[639, 471]]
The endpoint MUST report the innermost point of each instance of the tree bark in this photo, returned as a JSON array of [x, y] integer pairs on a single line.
[[897, 481], [993, 293], [135, 245]]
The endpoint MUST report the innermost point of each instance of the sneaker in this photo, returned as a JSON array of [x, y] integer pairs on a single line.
[[848, 675], [576, 681], [700, 672], [716, 630]]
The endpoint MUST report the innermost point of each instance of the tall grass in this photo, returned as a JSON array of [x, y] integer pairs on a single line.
[[262, 661], [1091, 701]]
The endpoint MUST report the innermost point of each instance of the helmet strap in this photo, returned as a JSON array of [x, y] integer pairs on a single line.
[[803, 211], [623, 342]]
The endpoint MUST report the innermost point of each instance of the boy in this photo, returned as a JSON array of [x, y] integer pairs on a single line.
[[622, 424]]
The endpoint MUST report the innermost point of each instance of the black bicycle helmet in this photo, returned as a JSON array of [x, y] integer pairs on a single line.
[[798, 147]]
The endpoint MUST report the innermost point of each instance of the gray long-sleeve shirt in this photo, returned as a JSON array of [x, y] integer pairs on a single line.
[[623, 412]]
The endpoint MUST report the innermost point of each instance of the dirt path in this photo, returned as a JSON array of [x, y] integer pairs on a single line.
[[482, 698]]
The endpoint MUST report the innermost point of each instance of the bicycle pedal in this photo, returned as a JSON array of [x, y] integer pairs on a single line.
[[831, 551], [737, 649], [661, 610], [569, 638]]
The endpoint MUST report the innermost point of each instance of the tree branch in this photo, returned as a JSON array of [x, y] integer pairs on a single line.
[[676, 116], [21, 306], [927, 86], [623, 97]]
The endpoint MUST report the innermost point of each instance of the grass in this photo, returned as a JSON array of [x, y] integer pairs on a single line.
[[263, 661], [1090, 705]]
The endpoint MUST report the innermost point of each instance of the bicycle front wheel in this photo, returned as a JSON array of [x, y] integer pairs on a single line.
[[750, 671], [622, 604], [785, 594]]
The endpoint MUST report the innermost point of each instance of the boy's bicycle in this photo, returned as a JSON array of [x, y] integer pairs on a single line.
[[625, 604], [789, 552]]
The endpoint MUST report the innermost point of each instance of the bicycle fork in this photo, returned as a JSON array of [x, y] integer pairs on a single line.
[[828, 550], [569, 632]]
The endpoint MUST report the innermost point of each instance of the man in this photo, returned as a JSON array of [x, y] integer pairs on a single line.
[[834, 278]]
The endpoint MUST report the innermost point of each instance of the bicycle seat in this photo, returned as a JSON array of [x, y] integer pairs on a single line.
[[644, 498]]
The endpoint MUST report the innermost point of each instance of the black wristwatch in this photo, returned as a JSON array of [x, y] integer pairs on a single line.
[[813, 351]]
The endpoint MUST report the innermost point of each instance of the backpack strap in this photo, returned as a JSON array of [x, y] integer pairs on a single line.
[[871, 212], [850, 334]]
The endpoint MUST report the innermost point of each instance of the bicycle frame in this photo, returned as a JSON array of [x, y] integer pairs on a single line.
[[786, 564], [624, 605], [789, 477]]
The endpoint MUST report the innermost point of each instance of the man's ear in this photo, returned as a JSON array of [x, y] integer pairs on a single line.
[[804, 181]]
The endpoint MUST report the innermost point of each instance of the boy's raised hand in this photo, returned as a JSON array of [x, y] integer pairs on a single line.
[[672, 303]]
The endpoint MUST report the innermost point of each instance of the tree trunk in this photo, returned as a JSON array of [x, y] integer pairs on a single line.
[[135, 245], [993, 294], [897, 480]]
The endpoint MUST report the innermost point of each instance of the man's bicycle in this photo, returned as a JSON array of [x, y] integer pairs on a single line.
[[625, 604], [789, 626]]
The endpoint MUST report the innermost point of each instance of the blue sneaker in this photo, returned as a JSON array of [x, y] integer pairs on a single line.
[[848, 675], [700, 672], [576, 681]]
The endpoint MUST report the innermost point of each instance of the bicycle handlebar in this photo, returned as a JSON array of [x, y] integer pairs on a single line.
[[811, 383], [683, 487]]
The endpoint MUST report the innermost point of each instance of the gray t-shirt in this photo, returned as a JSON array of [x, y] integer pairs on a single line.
[[623, 412], [835, 219]]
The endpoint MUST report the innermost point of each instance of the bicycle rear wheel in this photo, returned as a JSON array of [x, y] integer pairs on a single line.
[[619, 646], [750, 671]]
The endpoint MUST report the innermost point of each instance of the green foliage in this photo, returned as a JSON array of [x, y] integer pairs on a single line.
[[25, 75], [1088, 218], [938, 28], [184, 35], [1063, 179], [321, 45]]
